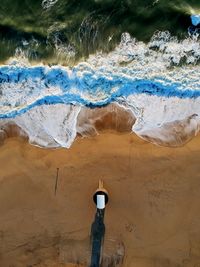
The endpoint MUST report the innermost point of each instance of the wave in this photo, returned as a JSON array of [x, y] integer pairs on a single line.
[[157, 83], [46, 4]]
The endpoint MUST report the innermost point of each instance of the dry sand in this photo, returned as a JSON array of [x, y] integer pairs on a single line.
[[152, 218]]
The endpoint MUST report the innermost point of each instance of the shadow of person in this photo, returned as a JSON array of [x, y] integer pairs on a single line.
[[97, 237]]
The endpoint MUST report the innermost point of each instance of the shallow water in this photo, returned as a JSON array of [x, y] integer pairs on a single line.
[[154, 76], [79, 68]]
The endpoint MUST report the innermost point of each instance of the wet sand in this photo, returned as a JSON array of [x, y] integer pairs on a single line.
[[152, 218]]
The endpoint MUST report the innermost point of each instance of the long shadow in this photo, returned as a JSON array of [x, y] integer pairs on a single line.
[[97, 236]]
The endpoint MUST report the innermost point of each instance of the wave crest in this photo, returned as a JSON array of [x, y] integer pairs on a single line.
[[155, 85]]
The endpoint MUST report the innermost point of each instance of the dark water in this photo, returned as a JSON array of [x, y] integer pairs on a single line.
[[44, 31]]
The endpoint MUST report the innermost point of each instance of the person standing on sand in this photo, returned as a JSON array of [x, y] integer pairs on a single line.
[[98, 228]]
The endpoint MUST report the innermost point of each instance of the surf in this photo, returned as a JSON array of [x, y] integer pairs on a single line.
[[157, 82]]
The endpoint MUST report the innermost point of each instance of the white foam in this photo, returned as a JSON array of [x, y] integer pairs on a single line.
[[50, 125], [46, 4], [165, 121], [162, 120]]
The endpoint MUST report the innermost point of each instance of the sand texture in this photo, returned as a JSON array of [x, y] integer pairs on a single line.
[[152, 218]]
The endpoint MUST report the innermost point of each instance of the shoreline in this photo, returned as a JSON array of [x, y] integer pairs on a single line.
[[59, 126]]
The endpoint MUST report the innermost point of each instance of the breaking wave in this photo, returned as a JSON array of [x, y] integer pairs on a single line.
[[154, 87]]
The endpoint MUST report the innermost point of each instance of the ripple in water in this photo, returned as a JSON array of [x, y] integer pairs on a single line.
[[158, 83]]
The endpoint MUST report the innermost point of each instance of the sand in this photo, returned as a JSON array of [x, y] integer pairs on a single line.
[[153, 214]]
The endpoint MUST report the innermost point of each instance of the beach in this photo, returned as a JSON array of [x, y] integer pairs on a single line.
[[152, 217], [99, 133]]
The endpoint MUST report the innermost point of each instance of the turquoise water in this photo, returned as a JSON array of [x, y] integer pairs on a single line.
[[64, 80], [62, 59]]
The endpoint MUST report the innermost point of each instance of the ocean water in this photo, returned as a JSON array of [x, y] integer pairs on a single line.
[[63, 58]]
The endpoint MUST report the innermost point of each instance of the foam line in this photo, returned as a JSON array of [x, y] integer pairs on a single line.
[[157, 83], [85, 88]]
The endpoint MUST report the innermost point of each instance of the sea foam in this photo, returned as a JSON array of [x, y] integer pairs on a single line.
[[157, 83]]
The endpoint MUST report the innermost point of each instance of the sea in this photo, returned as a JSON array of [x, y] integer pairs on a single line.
[[60, 59]]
